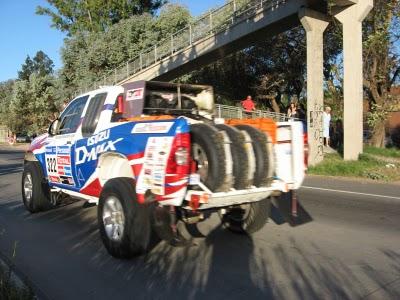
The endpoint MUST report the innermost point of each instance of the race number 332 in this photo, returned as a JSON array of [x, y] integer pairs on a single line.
[[51, 164]]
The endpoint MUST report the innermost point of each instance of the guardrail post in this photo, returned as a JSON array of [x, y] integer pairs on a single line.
[[211, 21], [141, 60], [234, 6], [172, 44], [155, 53], [115, 76], [127, 69]]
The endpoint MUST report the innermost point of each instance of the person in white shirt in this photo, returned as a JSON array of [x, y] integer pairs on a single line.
[[326, 123]]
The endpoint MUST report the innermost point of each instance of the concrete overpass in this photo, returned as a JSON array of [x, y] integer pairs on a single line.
[[239, 24]]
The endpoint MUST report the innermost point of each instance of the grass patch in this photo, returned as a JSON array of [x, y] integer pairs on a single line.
[[386, 152], [368, 166]]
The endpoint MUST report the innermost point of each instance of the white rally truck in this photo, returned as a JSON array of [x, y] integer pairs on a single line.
[[152, 154]]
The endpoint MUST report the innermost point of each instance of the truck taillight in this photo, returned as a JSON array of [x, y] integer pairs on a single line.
[[179, 158]]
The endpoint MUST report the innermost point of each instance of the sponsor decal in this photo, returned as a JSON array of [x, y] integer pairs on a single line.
[[58, 164], [53, 178], [101, 136], [154, 167], [64, 160], [83, 154], [63, 150], [154, 127], [134, 94], [51, 150]]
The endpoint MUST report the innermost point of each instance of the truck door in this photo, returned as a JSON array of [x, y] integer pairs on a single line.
[[85, 148], [59, 152]]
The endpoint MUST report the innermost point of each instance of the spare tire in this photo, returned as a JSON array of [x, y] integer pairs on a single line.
[[259, 141], [239, 157], [209, 154]]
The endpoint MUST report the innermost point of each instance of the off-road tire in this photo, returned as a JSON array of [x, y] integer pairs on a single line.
[[40, 199], [239, 221], [212, 142], [239, 157], [259, 142], [137, 235]]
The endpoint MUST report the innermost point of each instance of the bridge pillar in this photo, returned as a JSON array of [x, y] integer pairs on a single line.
[[351, 18], [315, 24]]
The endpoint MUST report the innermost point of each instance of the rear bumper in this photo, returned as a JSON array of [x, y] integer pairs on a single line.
[[235, 197]]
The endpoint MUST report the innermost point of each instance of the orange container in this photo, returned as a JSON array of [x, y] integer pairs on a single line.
[[266, 125]]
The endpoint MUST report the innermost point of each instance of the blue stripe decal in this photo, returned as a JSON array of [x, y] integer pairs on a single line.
[[108, 106]]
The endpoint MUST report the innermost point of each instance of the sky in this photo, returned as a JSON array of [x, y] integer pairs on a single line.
[[23, 33]]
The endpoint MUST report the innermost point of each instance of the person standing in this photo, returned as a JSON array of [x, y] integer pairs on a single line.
[[248, 104], [326, 124], [293, 112]]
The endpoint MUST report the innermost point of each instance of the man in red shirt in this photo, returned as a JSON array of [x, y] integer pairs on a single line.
[[248, 104]]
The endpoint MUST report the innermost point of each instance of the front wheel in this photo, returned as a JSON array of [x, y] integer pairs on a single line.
[[247, 218], [35, 189], [125, 225]]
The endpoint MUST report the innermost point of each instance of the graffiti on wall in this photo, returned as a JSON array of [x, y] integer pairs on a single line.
[[315, 134]]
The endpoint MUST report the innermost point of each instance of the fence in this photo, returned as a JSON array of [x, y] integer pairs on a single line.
[[233, 112]]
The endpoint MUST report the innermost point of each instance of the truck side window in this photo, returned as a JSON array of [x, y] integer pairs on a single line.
[[93, 114], [71, 116]]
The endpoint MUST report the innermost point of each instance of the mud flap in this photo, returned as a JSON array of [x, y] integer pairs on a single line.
[[164, 225], [287, 209]]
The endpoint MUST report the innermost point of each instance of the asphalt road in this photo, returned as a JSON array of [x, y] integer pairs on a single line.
[[351, 250]]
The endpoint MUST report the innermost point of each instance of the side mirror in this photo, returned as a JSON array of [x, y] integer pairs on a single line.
[[53, 128]]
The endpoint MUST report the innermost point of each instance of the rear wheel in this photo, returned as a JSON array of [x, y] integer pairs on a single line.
[[35, 189], [125, 225], [247, 218]]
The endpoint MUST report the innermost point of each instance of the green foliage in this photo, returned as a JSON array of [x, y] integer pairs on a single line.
[[384, 152], [80, 16], [381, 63], [41, 64], [88, 57], [28, 104], [6, 93], [33, 105]]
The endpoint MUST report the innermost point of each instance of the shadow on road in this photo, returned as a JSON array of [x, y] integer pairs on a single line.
[[221, 266]]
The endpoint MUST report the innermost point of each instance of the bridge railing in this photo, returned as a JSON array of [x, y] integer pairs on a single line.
[[233, 112], [213, 22]]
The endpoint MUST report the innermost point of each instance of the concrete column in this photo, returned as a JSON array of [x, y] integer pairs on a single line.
[[315, 24], [351, 18]]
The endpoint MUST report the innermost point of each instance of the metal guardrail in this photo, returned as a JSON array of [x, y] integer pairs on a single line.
[[210, 23], [233, 112]]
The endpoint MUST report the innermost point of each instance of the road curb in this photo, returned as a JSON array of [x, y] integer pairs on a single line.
[[20, 279]]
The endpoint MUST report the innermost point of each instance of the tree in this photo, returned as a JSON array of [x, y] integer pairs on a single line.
[[41, 65], [6, 94], [381, 64], [74, 16], [33, 104], [88, 57]]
